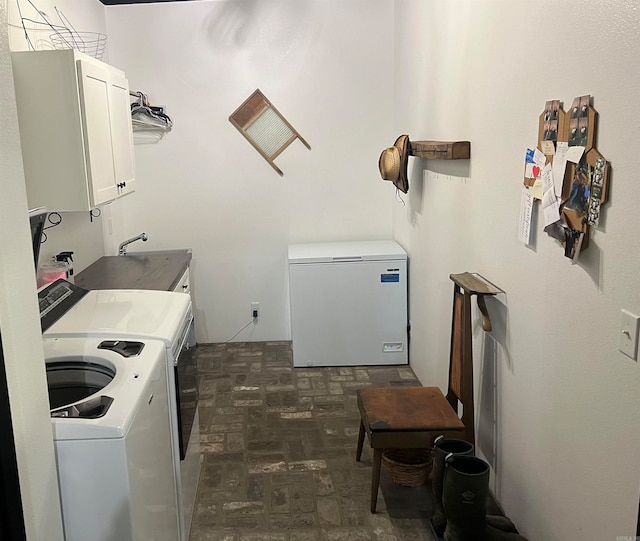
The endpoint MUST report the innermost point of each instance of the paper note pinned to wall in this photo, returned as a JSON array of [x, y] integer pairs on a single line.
[[526, 211], [559, 165], [574, 154], [548, 148], [537, 191], [550, 204], [528, 170], [539, 158], [547, 181]]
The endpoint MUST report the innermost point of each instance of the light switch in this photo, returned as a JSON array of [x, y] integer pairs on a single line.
[[629, 334]]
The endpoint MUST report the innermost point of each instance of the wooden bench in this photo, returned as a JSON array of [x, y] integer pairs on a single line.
[[412, 417], [402, 418]]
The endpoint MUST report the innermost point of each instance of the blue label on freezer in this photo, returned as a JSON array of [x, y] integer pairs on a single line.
[[394, 277]]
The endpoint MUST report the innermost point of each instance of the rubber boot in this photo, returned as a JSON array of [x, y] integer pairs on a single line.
[[464, 496], [501, 522], [496, 518], [495, 534], [441, 448]]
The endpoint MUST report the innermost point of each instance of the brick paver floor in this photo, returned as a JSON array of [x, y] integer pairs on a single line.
[[279, 449]]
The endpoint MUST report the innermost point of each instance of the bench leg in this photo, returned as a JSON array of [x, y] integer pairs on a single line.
[[360, 442], [375, 478]]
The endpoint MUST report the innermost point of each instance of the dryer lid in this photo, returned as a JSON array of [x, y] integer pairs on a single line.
[[125, 314]]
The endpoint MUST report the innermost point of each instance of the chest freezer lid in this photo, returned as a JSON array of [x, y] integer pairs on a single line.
[[335, 252]]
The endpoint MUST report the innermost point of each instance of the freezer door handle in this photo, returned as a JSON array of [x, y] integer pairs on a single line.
[[348, 258]]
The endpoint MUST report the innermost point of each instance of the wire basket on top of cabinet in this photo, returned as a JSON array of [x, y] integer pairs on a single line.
[[91, 43]]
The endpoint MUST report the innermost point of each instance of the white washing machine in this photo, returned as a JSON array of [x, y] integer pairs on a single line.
[[68, 311], [113, 444]]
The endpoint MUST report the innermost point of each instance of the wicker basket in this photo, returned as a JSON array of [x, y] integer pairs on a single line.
[[408, 467]]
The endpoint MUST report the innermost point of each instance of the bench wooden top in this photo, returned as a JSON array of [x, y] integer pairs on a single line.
[[407, 409]]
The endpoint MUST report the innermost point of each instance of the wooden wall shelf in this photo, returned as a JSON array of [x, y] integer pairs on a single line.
[[440, 150]]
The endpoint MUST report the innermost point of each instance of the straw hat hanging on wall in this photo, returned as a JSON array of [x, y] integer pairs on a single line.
[[393, 163]]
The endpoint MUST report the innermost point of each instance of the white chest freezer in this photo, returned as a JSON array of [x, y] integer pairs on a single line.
[[348, 303]]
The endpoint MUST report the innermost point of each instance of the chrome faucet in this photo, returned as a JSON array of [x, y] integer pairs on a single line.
[[122, 249]]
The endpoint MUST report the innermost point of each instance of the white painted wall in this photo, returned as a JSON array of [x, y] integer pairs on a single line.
[[330, 73], [559, 407], [20, 327]]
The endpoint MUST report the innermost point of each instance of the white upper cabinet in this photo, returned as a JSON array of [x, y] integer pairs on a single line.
[[75, 129]]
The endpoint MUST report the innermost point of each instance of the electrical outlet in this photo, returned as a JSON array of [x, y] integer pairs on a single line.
[[629, 334], [255, 310]]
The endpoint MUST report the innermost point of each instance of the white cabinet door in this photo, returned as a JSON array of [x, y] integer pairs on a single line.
[[122, 134], [96, 121]]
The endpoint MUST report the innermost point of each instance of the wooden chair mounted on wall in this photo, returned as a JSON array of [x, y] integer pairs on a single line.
[[460, 391], [411, 418]]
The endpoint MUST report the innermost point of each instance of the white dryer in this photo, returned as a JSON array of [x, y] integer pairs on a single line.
[[113, 444]]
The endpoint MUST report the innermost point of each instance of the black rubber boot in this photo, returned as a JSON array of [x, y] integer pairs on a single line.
[[464, 497], [494, 534], [441, 448], [501, 522]]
